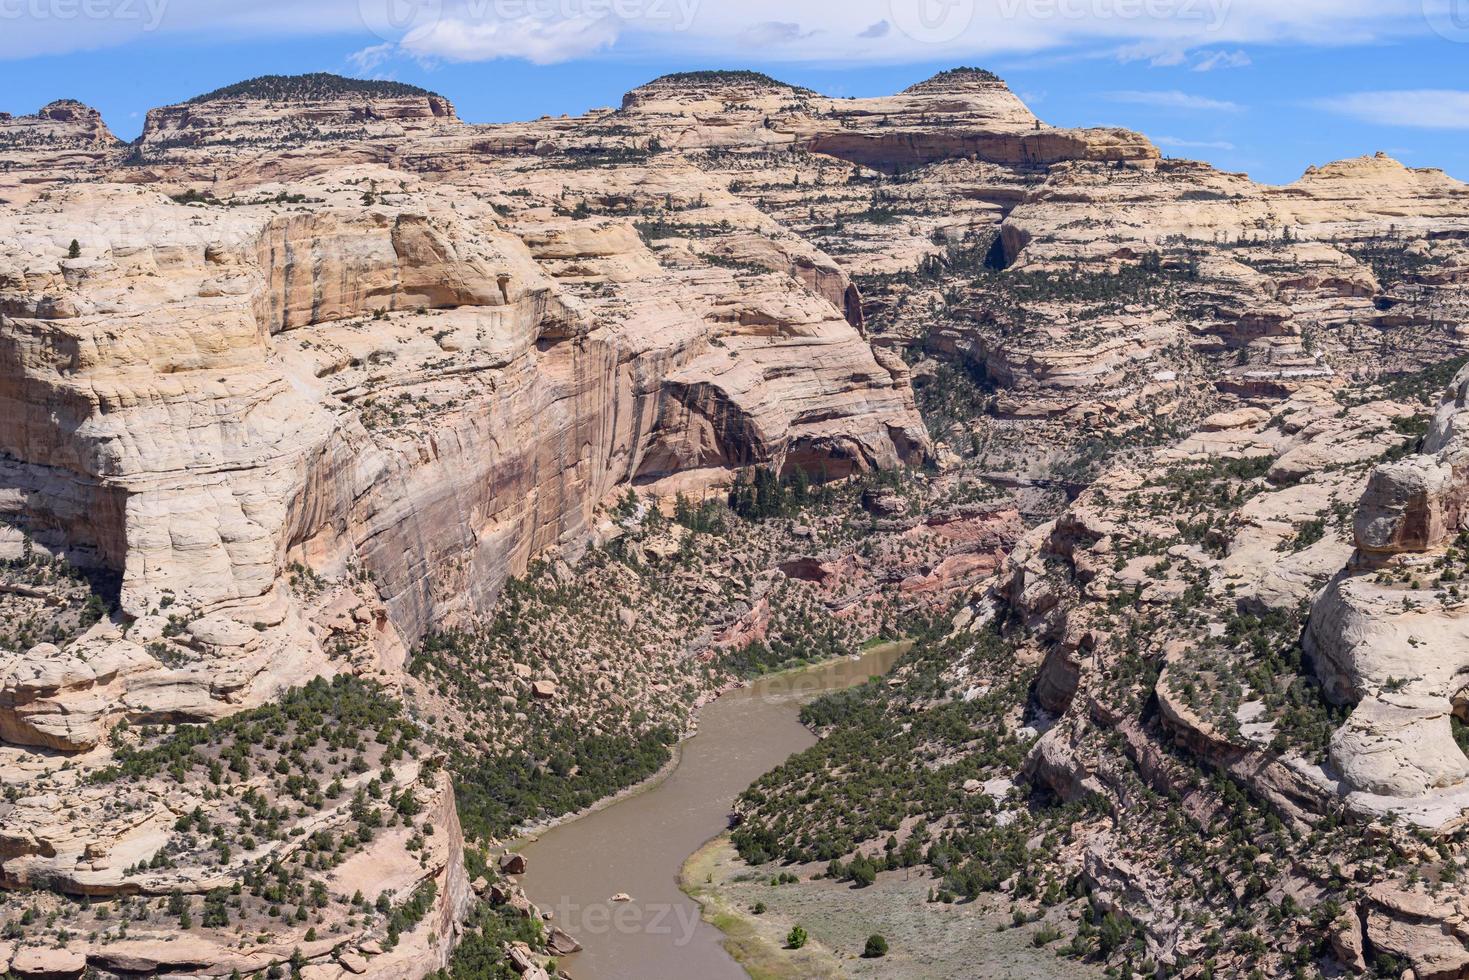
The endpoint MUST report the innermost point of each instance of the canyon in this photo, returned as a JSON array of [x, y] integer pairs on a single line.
[[376, 487]]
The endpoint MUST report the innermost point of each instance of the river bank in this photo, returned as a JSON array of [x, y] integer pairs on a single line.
[[530, 833], [757, 942], [926, 940], [635, 845]]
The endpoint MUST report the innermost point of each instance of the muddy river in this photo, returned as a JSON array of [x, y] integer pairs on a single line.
[[635, 847]]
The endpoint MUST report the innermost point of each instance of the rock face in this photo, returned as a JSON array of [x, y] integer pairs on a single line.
[[306, 392], [60, 700], [1178, 197], [1271, 284], [1100, 292], [1384, 634], [51, 146], [229, 118], [1387, 646], [1202, 617], [64, 123], [964, 114], [411, 385], [1418, 504]]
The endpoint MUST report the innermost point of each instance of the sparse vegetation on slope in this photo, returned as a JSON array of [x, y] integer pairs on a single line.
[[960, 74], [313, 87], [735, 76]]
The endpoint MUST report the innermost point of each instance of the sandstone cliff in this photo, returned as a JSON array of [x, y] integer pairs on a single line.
[[1387, 632], [308, 397]]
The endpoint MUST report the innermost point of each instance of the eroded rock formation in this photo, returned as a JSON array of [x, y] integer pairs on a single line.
[[1390, 649], [318, 403]]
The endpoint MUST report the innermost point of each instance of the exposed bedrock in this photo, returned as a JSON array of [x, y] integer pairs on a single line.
[[208, 395], [1419, 503], [1379, 640], [1041, 147]]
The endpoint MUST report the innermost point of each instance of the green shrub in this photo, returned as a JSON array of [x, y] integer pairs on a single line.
[[1044, 936]]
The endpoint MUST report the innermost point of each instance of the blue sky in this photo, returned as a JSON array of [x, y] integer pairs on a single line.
[[1263, 86]]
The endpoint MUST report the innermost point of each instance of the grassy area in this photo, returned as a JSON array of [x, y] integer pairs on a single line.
[[756, 942], [976, 940], [877, 643]]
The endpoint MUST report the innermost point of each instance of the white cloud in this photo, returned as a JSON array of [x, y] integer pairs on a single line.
[[1174, 99], [368, 59], [1223, 59], [1162, 31], [538, 41], [772, 33], [1173, 142], [1174, 53], [1165, 55], [1417, 108]]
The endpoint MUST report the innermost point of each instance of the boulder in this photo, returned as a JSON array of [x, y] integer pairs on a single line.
[[1240, 418], [883, 504], [1412, 928], [45, 963], [1347, 944], [1422, 502], [560, 943], [1399, 745], [522, 960], [321, 971], [352, 962]]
